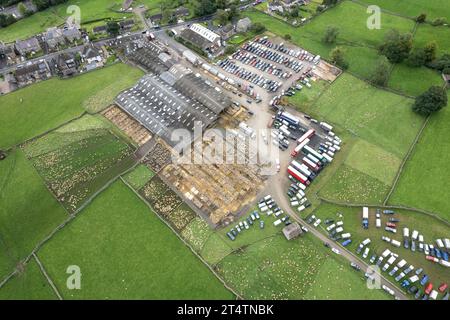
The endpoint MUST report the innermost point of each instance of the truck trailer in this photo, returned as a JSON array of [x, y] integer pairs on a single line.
[[297, 175]]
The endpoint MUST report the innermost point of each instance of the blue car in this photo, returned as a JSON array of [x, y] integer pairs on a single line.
[[346, 242], [424, 279], [405, 283]]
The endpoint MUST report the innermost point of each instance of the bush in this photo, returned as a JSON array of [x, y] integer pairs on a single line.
[[421, 18], [439, 21], [380, 75], [431, 101], [337, 57], [331, 34]]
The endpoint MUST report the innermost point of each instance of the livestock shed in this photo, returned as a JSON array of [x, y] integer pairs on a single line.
[[148, 58], [162, 109], [196, 87]]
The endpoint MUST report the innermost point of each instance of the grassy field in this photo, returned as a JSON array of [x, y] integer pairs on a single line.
[[413, 81], [373, 161], [412, 8], [43, 106], [429, 227], [30, 284], [76, 164], [135, 255], [307, 96], [28, 211], [354, 37], [25, 28], [381, 118], [353, 186], [425, 180], [426, 33], [139, 176], [275, 268], [56, 15]]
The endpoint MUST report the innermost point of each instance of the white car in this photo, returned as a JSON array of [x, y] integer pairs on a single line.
[[335, 251], [277, 162]]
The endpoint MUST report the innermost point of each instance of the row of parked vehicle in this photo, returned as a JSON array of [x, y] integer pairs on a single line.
[[389, 262], [264, 52], [268, 206], [436, 252], [231, 67], [245, 225], [299, 53], [267, 67]]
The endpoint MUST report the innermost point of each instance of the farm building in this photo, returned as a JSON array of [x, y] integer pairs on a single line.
[[243, 25], [292, 231], [227, 31], [202, 38], [162, 108], [147, 57]]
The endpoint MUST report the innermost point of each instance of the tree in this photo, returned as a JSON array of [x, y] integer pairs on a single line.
[[430, 51], [222, 16], [337, 57], [331, 34], [431, 101], [396, 46], [230, 49], [233, 12], [6, 20], [421, 18], [167, 14], [417, 58], [22, 9], [112, 28], [380, 75], [287, 37], [257, 27], [205, 7]]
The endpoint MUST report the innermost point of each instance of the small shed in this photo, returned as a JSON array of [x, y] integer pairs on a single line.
[[446, 78], [292, 231]]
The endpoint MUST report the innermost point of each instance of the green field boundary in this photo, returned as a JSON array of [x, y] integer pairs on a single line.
[[182, 240], [47, 277], [19, 145], [71, 216], [392, 13], [405, 159]]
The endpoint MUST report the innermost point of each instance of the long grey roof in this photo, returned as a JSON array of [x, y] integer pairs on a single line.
[[195, 86], [162, 109]]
